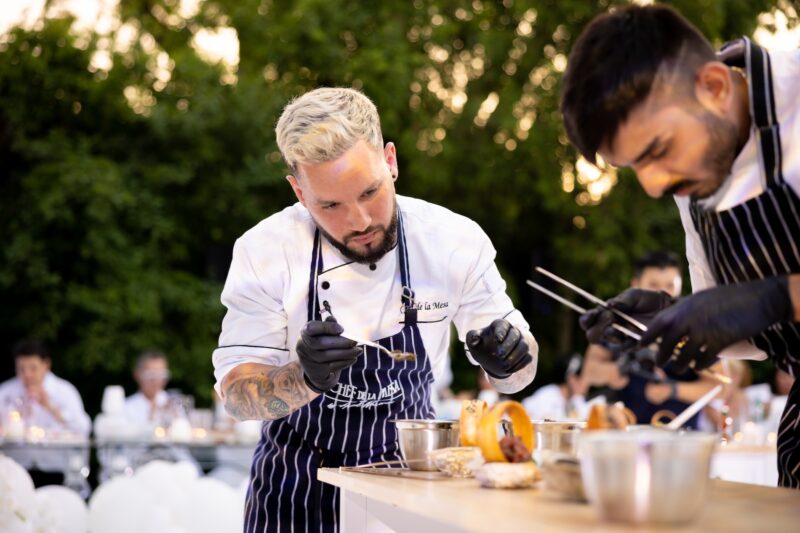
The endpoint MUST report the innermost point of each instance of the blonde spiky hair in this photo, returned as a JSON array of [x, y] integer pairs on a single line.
[[323, 124]]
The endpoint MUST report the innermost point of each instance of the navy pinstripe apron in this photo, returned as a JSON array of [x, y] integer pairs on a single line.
[[346, 426], [760, 238]]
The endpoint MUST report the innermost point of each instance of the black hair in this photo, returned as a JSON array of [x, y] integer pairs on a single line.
[[656, 259], [148, 355], [613, 66], [30, 347], [567, 364]]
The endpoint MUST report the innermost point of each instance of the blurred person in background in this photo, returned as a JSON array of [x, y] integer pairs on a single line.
[[566, 398], [147, 405], [644, 89], [633, 377], [44, 401], [782, 383]]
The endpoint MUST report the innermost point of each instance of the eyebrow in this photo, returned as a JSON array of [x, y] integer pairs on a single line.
[[648, 150], [372, 185]]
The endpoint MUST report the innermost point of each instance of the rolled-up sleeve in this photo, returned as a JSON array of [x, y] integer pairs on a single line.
[[255, 324]]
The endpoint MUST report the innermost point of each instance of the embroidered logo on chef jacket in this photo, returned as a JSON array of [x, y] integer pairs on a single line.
[[348, 396]]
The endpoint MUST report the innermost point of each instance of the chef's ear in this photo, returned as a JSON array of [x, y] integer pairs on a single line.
[[298, 191], [390, 154], [715, 88]]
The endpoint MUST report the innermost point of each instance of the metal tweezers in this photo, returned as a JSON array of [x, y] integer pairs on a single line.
[[594, 299]]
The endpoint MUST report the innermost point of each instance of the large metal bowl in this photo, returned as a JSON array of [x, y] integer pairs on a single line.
[[418, 437], [655, 476]]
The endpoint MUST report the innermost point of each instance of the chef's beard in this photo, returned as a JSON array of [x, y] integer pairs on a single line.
[[720, 153], [376, 251]]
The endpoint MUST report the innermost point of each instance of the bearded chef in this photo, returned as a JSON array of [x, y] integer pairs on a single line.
[[351, 256], [645, 90]]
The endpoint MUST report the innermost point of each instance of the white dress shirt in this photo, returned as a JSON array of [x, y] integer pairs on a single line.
[[747, 179], [451, 266], [139, 410], [62, 395]]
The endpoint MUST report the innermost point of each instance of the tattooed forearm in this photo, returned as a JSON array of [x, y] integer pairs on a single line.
[[262, 392], [516, 381]]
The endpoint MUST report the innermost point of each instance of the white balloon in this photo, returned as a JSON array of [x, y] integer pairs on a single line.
[[216, 508], [169, 485], [61, 510], [17, 497], [120, 505], [185, 474]]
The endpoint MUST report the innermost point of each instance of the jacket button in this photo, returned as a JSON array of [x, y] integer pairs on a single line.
[[325, 285], [373, 266]]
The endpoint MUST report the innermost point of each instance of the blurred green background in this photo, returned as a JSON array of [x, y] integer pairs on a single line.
[[132, 157]]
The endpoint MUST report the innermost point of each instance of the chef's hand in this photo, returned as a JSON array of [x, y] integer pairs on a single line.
[[324, 353], [641, 304], [499, 349], [699, 326]]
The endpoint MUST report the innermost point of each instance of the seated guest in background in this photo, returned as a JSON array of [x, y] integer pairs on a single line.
[[563, 400], [44, 401], [633, 377], [147, 405]]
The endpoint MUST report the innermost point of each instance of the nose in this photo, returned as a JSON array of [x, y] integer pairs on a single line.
[[359, 217], [654, 180]]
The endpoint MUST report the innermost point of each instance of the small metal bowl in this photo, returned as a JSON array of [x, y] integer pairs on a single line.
[[556, 439], [419, 437]]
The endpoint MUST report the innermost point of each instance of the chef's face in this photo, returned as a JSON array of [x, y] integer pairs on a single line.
[[659, 279], [352, 200], [678, 142], [31, 370]]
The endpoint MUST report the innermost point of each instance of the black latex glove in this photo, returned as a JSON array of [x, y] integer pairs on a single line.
[[323, 353], [641, 304], [499, 349], [699, 326]]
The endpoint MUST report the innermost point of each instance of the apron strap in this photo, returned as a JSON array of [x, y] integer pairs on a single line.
[[756, 61], [407, 294], [315, 271]]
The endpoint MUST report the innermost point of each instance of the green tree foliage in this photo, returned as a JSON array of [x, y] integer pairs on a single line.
[[123, 189]]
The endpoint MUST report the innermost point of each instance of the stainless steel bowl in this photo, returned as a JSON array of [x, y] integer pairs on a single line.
[[645, 476], [556, 439], [418, 437]]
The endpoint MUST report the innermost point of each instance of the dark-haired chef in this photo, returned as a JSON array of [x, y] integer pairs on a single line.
[[351, 256], [645, 90]]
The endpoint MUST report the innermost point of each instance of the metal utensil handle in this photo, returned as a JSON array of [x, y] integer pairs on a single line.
[[690, 411], [579, 309], [592, 298]]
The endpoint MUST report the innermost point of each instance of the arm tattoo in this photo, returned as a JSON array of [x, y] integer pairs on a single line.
[[516, 381], [262, 392]]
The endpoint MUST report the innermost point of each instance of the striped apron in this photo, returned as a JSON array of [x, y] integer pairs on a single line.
[[757, 239], [347, 426]]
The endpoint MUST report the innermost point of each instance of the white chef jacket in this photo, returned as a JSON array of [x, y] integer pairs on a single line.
[[747, 179], [451, 268], [548, 402]]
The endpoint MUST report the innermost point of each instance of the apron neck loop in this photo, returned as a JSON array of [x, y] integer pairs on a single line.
[[758, 66]]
